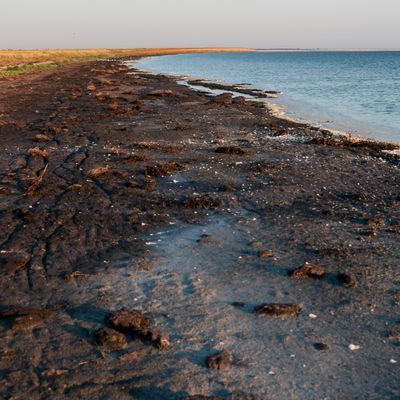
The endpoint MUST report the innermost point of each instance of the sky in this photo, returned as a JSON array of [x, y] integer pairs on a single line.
[[31, 24]]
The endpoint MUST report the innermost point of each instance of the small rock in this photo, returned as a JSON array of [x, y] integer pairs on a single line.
[[124, 320], [393, 361], [110, 339], [308, 271], [354, 347], [321, 346], [278, 310], [36, 152], [75, 186], [346, 279], [221, 361]]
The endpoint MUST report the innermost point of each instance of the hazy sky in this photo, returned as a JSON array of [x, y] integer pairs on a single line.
[[199, 23]]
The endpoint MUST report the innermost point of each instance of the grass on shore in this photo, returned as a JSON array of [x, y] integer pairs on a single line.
[[17, 62]]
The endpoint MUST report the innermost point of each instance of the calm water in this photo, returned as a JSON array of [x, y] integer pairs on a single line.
[[358, 92]]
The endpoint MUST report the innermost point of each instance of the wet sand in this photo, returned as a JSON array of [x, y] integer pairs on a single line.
[[142, 194]]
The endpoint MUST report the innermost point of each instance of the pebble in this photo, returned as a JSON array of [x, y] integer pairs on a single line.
[[353, 347]]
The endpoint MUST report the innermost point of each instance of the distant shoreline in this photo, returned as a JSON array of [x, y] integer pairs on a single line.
[[327, 50]]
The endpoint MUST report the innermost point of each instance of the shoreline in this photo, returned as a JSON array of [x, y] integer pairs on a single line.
[[125, 190], [275, 108]]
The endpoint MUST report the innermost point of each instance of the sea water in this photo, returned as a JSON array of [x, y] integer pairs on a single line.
[[357, 92]]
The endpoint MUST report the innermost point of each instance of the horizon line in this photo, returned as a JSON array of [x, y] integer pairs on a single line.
[[233, 48]]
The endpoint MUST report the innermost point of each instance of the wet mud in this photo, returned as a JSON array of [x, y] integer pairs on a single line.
[[156, 244]]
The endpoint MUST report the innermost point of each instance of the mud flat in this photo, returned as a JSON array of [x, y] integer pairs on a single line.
[[161, 243]]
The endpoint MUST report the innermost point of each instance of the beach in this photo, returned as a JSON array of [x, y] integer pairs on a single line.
[[229, 228]]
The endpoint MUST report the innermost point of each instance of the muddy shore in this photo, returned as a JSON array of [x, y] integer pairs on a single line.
[[263, 254]]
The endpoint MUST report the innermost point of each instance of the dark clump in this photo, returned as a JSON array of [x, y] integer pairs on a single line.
[[308, 271], [278, 310], [221, 361], [321, 346], [232, 150], [238, 304], [123, 320], [36, 152], [137, 324], [164, 170], [110, 339], [204, 202], [346, 279]]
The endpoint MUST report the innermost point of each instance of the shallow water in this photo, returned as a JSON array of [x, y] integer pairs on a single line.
[[358, 92]]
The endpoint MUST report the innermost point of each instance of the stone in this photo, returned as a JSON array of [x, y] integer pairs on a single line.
[[308, 271]]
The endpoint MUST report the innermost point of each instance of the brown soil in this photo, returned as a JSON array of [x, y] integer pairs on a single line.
[[129, 206]]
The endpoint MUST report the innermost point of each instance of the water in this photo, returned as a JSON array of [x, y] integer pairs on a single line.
[[357, 92]]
